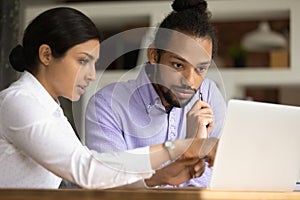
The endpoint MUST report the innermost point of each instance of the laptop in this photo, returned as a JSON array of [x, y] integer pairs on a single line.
[[259, 149]]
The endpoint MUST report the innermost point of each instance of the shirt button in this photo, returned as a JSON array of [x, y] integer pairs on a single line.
[[172, 128], [172, 135]]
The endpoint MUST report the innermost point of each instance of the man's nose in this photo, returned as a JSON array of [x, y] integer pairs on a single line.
[[189, 76]]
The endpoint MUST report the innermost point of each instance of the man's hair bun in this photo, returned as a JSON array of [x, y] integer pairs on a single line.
[[181, 5]]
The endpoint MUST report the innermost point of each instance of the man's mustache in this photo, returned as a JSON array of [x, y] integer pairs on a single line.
[[186, 87]]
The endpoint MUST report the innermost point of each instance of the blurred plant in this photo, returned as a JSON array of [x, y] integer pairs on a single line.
[[238, 55]]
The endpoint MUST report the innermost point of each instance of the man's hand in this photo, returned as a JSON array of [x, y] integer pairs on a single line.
[[200, 120], [177, 172]]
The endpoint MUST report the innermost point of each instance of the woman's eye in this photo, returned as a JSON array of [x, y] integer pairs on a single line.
[[84, 61]]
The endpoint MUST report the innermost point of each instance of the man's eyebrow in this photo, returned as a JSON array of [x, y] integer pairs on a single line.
[[179, 58], [205, 63], [184, 60]]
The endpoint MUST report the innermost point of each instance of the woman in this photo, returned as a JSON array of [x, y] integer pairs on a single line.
[[38, 146]]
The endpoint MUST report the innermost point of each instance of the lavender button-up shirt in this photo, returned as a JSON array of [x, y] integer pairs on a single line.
[[128, 115]]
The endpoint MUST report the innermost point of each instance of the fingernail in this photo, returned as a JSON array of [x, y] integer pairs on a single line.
[[197, 168]]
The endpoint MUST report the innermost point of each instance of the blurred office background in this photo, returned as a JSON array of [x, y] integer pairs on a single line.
[[257, 54]]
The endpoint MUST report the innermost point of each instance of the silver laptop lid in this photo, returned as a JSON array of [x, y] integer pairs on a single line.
[[259, 148]]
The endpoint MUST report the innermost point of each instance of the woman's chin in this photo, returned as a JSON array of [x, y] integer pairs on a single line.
[[75, 97]]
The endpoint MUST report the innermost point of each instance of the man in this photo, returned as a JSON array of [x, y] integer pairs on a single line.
[[169, 95]]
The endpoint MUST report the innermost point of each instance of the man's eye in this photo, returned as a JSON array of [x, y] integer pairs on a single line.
[[201, 69], [177, 65]]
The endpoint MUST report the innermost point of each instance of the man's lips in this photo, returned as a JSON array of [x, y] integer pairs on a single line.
[[183, 93]]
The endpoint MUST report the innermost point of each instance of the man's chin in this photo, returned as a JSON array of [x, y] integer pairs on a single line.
[[181, 103], [175, 100]]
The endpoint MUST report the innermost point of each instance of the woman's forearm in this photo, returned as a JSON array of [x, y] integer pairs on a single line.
[[188, 148]]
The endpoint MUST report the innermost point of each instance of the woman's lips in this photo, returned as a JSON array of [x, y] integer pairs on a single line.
[[81, 89]]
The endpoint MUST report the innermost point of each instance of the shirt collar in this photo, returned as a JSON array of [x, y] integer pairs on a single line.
[[147, 92], [36, 88]]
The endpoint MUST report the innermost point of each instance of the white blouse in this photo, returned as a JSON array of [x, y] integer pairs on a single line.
[[38, 146]]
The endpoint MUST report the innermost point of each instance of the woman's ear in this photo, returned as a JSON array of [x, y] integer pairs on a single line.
[[45, 54], [152, 54]]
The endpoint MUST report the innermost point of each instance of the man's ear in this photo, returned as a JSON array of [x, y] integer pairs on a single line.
[[45, 54], [152, 54]]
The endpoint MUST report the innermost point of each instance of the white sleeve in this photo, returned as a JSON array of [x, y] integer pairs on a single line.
[[52, 143]]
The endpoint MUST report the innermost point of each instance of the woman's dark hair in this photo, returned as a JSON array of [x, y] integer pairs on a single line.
[[189, 17], [61, 28]]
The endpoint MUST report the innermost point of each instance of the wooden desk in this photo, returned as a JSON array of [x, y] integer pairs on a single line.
[[141, 194]]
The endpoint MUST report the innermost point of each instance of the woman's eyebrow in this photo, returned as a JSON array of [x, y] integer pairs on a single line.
[[91, 57]]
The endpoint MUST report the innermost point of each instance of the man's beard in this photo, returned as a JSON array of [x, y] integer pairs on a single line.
[[172, 99]]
